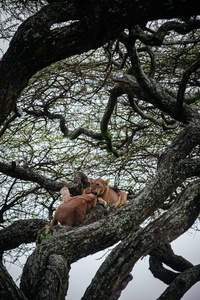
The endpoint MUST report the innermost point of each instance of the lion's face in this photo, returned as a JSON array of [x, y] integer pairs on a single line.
[[98, 186]]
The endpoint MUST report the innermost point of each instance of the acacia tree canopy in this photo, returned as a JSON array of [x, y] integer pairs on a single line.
[[99, 89]]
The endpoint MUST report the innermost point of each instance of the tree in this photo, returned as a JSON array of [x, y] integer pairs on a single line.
[[99, 89]]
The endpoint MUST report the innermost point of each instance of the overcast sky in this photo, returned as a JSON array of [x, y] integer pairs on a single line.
[[143, 286]]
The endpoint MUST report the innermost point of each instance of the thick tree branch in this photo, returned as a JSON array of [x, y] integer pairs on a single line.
[[131, 215], [114, 94], [55, 280], [181, 284], [24, 174], [35, 45], [185, 141], [182, 86], [116, 227], [156, 39], [166, 255], [22, 231], [123, 257], [7, 286], [158, 271], [157, 95]]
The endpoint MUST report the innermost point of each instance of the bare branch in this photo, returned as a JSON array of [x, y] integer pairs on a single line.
[[28, 175], [114, 94], [157, 269], [123, 257], [166, 255], [182, 86], [155, 39], [181, 284], [153, 59], [63, 127], [147, 117], [22, 231], [43, 47], [8, 287]]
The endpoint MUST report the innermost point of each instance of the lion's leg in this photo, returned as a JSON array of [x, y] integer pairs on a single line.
[[121, 200], [100, 200]]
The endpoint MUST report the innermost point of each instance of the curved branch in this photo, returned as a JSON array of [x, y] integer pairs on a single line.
[[153, 60], [181, 284], [8, 287], [104, 135], [24, 174], [22, 231], [168, 257], [35, 45], [148, 88], [123, 257], [182, 86], [63, 127], [158, 271], [74, 245], [147, 117], [153, 93], [156, 39], [114, 94]]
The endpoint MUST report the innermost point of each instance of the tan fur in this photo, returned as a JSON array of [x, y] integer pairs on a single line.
[[100, 187], [65, 194], [73, 209], [99, 199]]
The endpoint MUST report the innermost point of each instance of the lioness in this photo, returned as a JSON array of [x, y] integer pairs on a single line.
[[100, 188], [73, 209]]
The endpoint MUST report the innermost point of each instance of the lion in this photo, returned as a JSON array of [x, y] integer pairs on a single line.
[[73, 209], [101, 188]]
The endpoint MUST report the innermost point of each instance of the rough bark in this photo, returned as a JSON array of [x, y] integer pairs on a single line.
[[158, 271], [181, 284], [122, 259], [81, 242], [54, 282], [35, 45], [173, 169], [166, 255], [19, 232], [76, 188], [8, 288]]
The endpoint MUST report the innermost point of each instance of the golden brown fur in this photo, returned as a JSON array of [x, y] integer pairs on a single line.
[[73, 209], [100, 188], [99, 199]]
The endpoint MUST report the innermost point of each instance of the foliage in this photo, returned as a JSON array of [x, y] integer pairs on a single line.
[[114, 111]]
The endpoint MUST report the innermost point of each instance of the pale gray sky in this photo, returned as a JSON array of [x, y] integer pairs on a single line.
[[143, 286]]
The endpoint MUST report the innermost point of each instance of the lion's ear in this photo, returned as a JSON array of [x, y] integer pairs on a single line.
[[90, 180], [107, 181]]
